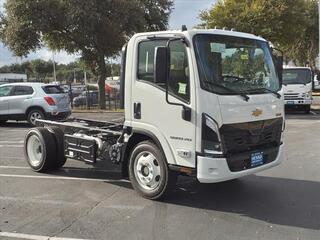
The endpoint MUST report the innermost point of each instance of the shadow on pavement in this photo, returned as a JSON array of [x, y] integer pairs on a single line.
[[280, 201], [287, 202], [296, 114], [12, 124]]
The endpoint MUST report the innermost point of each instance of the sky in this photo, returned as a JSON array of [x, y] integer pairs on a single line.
[[185, 12]]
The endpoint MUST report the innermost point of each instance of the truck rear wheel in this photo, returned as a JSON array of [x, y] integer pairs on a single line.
[[2, 122], [148, 171], [58, 135], [40, 149]]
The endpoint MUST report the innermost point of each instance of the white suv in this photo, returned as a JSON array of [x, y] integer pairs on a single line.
[[31, 101]]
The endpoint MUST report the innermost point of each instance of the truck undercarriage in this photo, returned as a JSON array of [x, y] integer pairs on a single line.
[[89, 140]]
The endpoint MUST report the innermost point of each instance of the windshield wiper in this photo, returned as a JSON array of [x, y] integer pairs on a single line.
[[243, 95], [278, 95]]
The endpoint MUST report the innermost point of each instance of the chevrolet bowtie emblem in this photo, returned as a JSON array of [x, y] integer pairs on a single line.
[[257, 112]]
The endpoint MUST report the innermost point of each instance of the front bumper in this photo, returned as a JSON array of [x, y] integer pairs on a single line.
[[298, 102], [212, 170]]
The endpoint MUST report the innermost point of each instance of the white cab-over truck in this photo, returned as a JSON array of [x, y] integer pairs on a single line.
[[297, 87], [203, 103]]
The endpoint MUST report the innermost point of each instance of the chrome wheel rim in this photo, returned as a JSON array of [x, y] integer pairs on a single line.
[[34, 150], [147, 171], [34, 116]]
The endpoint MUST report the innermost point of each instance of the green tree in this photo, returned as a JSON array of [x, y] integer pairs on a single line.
[[304, 49], [289, 25], [95, 29], [41, 69]]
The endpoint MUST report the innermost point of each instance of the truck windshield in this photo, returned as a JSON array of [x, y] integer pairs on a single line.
[[296, 76], [241, 64]]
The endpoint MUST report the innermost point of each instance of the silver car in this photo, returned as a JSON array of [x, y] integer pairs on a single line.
[[31, 101]]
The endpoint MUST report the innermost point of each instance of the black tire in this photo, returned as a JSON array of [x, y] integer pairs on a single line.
[[58, 135], [31, 116], [2, 122], [47, 149], [166, 180], [307, 109]]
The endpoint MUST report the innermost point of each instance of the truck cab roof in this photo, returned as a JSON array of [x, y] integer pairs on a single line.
[[190, 33]]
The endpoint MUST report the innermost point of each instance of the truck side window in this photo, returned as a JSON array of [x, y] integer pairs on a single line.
[[179, 82], [146, 59]]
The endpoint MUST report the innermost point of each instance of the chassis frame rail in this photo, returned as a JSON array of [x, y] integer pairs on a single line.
[[84, 125]]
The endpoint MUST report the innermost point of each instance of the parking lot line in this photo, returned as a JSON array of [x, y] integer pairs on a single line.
[[13, 167], [63, 178], [40, 201], [12, 141], [15, 146], [313, 113], [34, 237], [65, 169]]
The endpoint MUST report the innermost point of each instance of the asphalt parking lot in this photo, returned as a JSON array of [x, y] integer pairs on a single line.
[[85, 202]]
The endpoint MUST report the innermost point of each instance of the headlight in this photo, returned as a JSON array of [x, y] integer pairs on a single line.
[[211, 141], [309, 94]]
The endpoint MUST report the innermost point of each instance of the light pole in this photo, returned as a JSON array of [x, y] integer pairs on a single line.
[[54, 68]]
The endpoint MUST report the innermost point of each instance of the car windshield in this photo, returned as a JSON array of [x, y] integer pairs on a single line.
[[239, 64], [296, 76]]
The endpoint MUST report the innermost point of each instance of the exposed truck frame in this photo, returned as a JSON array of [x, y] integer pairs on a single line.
[[187, 111]]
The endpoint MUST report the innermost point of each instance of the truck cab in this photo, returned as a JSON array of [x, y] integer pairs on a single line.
[[297, 87], [228, 84], [203, 103]]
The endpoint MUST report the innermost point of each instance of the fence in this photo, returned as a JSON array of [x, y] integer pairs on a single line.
[[90, 100]]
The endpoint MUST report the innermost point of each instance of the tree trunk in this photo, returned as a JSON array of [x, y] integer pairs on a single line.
[[101, 82]]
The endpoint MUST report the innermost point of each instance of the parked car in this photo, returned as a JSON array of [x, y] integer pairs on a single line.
[[81, 100], [77, 90], [31, 101]]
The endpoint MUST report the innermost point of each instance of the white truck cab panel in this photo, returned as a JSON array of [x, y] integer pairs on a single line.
[[181, 140], [156, 116], [298, 87]]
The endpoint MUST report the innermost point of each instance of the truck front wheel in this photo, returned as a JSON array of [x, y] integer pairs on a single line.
[[148, 171], [307, 109], [40, 149]]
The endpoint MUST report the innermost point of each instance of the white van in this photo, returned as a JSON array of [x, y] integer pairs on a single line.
[[297, 87]]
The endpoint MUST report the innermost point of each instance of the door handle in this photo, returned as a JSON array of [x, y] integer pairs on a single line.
[[137, 110]]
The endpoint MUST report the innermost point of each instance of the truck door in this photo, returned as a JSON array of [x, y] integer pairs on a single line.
[[5, 92], [150, 110]]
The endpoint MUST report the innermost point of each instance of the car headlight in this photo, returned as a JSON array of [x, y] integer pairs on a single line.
[[211, 140]]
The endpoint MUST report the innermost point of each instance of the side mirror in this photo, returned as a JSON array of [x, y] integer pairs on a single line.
[[279, 67], [161, 66]]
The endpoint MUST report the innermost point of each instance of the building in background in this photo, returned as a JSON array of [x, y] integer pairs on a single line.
[[12, 78]]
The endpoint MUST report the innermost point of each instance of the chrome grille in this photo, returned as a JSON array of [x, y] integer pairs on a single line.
[[292, 96]]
